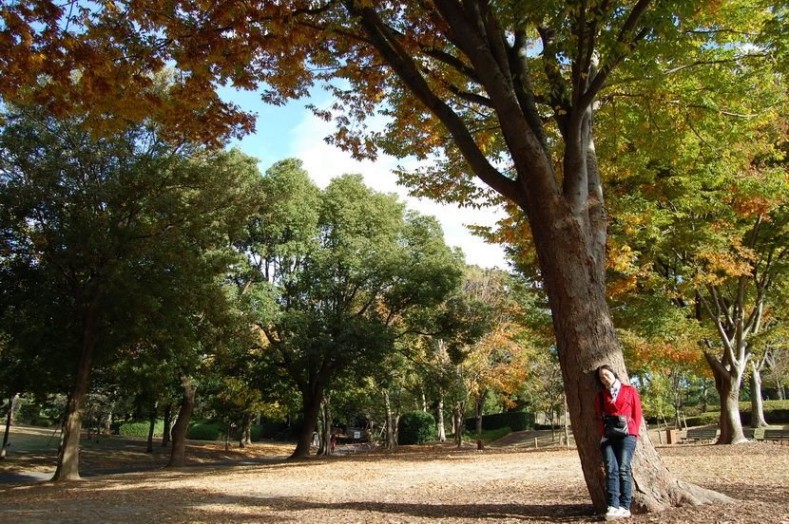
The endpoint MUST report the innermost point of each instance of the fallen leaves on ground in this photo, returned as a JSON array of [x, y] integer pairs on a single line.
[[434, 484]]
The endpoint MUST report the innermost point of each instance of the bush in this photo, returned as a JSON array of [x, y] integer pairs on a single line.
[[139, 428], [416, 427], [205, 430]]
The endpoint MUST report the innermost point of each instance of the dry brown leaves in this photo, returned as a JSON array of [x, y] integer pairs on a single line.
[[436, 485]]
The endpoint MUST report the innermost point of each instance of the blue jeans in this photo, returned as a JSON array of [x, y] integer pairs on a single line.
[[617, 455]]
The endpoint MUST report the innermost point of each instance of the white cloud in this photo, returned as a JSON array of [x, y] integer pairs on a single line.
[[324, 162]]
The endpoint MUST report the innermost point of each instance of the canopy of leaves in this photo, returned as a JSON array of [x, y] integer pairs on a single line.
[[332, 273], [128, 227]]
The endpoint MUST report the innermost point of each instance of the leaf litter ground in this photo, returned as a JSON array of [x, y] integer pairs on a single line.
[[430, 484]]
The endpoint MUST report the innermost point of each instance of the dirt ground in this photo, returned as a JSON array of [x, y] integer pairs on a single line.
[[432, 484]]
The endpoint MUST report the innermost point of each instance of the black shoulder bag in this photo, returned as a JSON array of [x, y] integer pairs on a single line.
[[615, 426]]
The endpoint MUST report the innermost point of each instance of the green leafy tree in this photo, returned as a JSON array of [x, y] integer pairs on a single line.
[[109, 244], [700, 201], [332, 274]]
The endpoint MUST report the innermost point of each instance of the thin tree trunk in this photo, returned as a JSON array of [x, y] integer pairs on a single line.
[[8, 421], [391, 442], [757, 402], [478, 411], [325, 428], [323, 437], [68, 454], [442, 432], [676, 396], [311, 398], [151, 426], [168, 424], [181, 426], [460, 409], [246, 431], [106, 420], [566, 419]]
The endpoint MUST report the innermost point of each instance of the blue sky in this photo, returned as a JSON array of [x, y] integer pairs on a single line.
[[292, 131]]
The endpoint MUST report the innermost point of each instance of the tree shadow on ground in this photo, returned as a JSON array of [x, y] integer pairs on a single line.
[[108, 503]]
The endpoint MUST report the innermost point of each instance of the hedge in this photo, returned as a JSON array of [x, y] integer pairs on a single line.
[[515, 420], [773, 415], [140, 428]]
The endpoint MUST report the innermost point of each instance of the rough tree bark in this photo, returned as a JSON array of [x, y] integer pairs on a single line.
[[728, 374], [586, 339], [181, 426], [312, 396], [68, 453]]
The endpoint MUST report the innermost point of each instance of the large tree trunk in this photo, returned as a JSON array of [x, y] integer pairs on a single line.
[[566, 216], [585, 336], [68, 453], [181, 426], [311, 401], [727, 382]]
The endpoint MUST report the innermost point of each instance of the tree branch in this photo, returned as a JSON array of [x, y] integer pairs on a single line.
[[625, 43], [401, 62]]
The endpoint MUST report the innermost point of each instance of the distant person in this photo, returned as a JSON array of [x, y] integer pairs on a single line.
[[614, 401]]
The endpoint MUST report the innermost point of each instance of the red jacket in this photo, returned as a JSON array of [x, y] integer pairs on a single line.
[[627, 403]]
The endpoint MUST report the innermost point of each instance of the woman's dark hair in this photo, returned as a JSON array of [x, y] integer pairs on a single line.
[[598, 370]]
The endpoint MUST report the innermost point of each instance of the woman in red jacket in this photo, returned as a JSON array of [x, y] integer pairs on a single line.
[[617, 399]]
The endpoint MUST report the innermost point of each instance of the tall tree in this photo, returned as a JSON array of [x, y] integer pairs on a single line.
[[108, 243], [503, 92], [333, 273], [703, 226]]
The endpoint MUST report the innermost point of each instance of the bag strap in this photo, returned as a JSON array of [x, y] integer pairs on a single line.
[[600, 404]]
